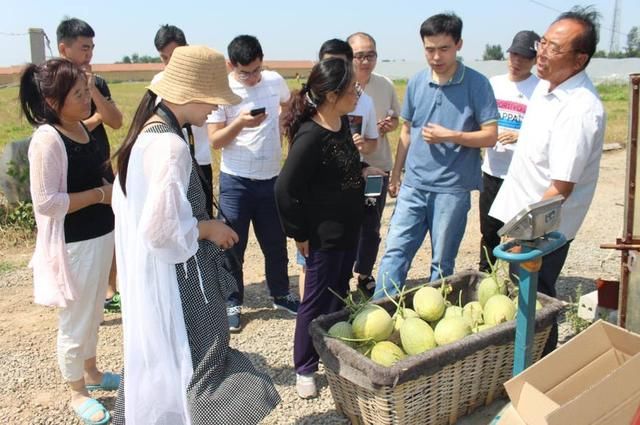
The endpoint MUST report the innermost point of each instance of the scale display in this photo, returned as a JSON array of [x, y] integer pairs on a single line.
[[535, 220]]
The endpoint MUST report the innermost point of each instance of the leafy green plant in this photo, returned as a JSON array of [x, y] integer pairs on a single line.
[[19, 215], [19, 173]]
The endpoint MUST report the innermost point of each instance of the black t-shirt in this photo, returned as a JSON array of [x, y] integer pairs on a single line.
[[320, 190], [100, 133], [87, 165]]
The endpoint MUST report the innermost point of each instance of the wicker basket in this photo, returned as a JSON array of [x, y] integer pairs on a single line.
[[435, 387]]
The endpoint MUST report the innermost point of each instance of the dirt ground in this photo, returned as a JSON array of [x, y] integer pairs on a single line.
[[32, 391]]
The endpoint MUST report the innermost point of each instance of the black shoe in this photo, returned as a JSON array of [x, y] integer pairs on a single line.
[[367, 285], [287, 303], [233, 317]]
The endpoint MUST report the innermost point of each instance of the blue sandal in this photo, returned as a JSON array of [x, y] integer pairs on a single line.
[[110, 382], [90, 408]]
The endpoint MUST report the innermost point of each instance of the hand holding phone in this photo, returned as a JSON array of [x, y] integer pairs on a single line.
[[257, 111], [384, 125], [355, 124]]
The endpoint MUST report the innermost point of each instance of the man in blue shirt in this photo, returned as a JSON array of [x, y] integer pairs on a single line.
[[449, 113]]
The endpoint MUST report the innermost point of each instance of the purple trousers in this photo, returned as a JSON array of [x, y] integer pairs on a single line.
[[325, 269]]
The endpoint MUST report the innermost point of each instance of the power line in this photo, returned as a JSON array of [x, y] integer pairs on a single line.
[[46, 39], [14, 34], [546, 6]]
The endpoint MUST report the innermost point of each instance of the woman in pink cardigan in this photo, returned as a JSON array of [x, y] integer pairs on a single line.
[[71, 192]]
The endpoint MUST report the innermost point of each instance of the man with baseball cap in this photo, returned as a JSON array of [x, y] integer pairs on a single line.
[[512, 91]]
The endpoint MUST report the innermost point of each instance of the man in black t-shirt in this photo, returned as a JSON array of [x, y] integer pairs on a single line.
[[75, 43]]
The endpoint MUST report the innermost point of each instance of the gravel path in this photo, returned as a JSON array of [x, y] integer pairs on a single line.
[[32, 392]]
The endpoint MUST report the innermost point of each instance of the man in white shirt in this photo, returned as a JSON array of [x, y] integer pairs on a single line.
[[249, 136], [387, 111], [363, 118], [560, 142], [166, 40], [512, 91]]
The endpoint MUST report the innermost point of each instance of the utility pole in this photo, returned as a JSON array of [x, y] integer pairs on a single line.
[[36, 41]]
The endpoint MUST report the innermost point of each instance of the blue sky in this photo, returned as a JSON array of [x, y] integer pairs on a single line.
[[289, 29]]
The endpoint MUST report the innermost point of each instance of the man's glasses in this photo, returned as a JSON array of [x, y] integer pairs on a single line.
[[369, 56], [357, 90], [245, 75], [552, 48]]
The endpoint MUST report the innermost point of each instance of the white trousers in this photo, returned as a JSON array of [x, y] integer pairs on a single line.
[[78, 323]]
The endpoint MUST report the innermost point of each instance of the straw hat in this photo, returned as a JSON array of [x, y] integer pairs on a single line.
[[195, 74]]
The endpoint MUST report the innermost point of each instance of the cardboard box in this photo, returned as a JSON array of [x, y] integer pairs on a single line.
[[591, 380]]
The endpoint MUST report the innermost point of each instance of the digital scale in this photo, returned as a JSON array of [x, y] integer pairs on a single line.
[[532, 233]]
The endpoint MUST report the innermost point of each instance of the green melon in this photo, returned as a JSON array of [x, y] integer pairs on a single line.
[[342, 330], [387, 353], [499, 309], [429, 304], [416, 336], [451, 329], [372, 323]]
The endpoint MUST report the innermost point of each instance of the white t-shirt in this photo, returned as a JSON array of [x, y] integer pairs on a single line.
[[561, 139], [385, 99], [512, 98], [365, 109], [202, 150], [256, 152]]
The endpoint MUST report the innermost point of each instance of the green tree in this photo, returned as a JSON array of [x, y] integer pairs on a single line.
[[493, 52], [633, 42], [616, 55], [600, 54], [150, 59], [126, 59], [135, 58]]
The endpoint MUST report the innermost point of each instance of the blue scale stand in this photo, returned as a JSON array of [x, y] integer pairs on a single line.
[[531, 231]]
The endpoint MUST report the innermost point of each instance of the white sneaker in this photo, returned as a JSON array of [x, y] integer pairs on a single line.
[[306, 386]]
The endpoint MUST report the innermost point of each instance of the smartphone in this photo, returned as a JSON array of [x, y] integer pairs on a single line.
[[355, 124], [257, 111], [373, 186], [390, 114]]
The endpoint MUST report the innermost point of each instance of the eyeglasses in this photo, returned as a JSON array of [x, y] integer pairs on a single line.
[[554, 49], [245, 75], [357, 90], [369, 56]]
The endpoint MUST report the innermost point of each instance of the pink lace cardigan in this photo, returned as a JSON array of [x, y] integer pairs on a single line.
[[52, 282]]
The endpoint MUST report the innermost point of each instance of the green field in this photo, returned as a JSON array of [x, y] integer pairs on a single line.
[[127, 95]]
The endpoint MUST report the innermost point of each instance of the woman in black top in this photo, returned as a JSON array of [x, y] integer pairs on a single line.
[[320, 198], [70, 178]]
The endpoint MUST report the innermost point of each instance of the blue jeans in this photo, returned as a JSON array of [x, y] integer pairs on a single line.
[[443, 215], [245, 201]]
